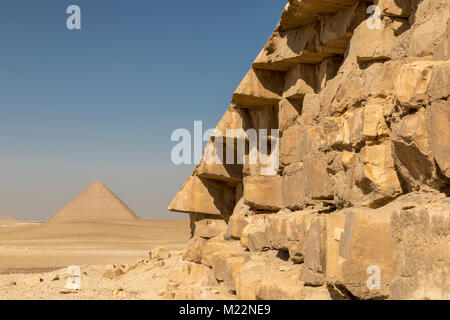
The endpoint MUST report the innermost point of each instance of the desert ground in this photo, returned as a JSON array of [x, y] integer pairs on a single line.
[[43, 251]]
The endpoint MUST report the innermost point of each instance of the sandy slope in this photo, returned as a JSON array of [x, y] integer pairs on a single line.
[[45, 247]]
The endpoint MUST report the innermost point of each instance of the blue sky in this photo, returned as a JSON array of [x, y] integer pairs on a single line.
[[100, 103]]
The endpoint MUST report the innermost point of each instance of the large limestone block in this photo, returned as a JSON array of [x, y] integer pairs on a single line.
[[298, 141], [438, 123], [327, 70], [279, 230], [412, 79], [205, 196], [238, 220], [374, 126], [412, 152], [421, 236], [439, 87], [299, 228], [193, 251], [442, 51], [340, 26], [429, 25], [299, 81], [254, 236], [248, 279], [210, 227], [366, 245], [306, 181], [259, 88], [318, 183], [233, 119], [310, 109], [263, 192], [231, 272], [290, 145], [223, 171], [377, 177], [279, 289], [218, 245], [335, 129], [289, 112], [294, 187], [285, 50], [219, 259], [188, 273], [314, 267], [302, 12], [371, 44]]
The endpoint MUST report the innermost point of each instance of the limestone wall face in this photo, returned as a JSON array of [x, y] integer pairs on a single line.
[[363, 184]]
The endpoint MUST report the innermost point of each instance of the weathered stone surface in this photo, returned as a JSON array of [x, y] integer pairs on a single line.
[[439, 87], [254, 235], [263, 192], [302, 12], [193, 251], [438, 124], [412, 153], [290, 145], [210, 228], [378, 174], [365, 242], [371, 44], [277, 289], [310, 108], [205, 196], [289, 112], [285, 50], [318, 183], [222, 172], [313, 270], [188, 273], [442, 51], [219, 259], [294, 188], [412, 81], [429, 25], [259, 88], [238, 220], [327, 70], [299, 81], [423, 251], [231, 271], [279, 230], [214, 246]]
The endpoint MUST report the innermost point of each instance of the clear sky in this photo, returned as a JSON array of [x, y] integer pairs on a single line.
[[100, 103]]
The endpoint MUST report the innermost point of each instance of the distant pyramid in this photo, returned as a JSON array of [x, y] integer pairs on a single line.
[[96, 202]]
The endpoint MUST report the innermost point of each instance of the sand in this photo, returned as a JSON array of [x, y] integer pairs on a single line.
[[45, 249]]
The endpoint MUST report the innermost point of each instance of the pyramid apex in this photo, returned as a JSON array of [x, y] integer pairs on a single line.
[[96, 202]]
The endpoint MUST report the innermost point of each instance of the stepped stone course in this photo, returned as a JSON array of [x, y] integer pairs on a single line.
[[363, 186]]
